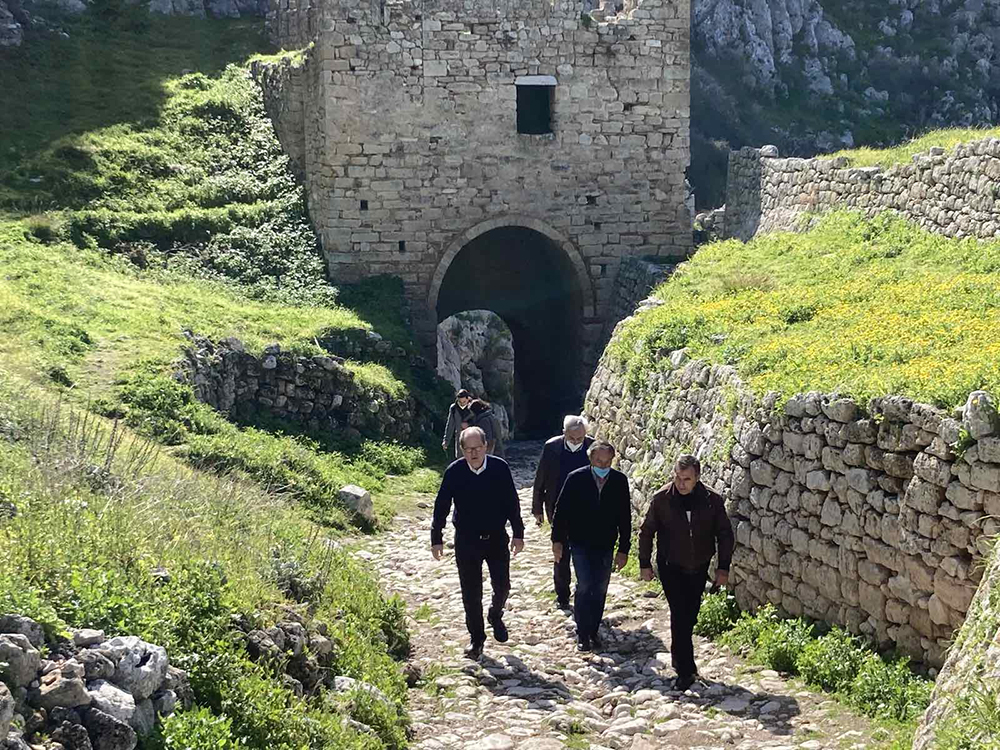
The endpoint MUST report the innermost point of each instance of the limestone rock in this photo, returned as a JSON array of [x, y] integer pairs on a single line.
[[981, 415], [11, 32], [108, 733], [22, 659], [6, 709], [23, 625], [140, 668], [112, 700], [58, 690], [358, 500]]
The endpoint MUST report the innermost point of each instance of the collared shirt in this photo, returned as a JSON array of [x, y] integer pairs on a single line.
[[481, 469]]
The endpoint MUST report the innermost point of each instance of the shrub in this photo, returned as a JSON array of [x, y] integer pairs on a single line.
[[780, 644], [198, 729], [831, 661], [392, 458], [745, 634], [889, 690], [718, 613]]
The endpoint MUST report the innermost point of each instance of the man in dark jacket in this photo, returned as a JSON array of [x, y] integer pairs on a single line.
[[594, 511], [459, 414], [482, 490], [690, 523], [561, 455]]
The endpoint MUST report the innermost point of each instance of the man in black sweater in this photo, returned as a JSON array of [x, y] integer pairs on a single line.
[[594, 510], [482, 489], [561, 455]]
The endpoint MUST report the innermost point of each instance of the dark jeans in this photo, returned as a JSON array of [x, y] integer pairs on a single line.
[[470, 554], [683, 587], [561, 577], [593, 574]]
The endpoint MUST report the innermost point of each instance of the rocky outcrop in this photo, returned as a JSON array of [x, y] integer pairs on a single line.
[[476, 351], [319, 392], [949, 193], [11, 31], [89, 691], [973, 663], [870, 516]]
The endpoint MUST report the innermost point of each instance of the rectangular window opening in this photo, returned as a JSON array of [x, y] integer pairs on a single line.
[[402, 246], [364, 205], [534, 109]]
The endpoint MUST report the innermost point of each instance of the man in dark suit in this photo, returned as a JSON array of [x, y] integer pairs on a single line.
[[561, 455], [594, 510], [690, 523], [482, 490]]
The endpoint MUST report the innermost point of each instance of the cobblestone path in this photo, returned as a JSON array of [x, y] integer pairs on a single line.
[[536, 692]]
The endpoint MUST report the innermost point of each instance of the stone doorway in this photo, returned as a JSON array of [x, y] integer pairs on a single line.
[[530, 282]]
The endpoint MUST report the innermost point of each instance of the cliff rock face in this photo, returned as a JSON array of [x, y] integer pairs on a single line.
[[818, 75], [11, 29], [476, 351]]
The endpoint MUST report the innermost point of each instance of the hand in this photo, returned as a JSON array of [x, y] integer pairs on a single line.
[[646, 574], [721, 577], [516, 545], [621, 559], [539, 519], [437, 551], [557, 551], [444, 445]]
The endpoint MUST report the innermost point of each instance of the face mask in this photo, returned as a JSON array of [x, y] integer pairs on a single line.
[[573, 447], [601, 472]]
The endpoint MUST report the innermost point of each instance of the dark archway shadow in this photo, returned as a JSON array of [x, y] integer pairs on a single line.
[[528, 280]]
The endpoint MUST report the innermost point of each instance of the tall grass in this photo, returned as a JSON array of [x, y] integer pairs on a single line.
[[946, 138]]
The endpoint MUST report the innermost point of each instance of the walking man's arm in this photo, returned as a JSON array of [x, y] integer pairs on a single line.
[[442, 506], [449, 428], [560, 520], [514, 513], [624, 529], [725, 541], [538, 489], [646, 533]]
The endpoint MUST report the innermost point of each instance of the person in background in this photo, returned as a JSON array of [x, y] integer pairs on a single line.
[[482, 490], [690, 523], [593, 512], [561, 455], [458, 419], [484, 418]]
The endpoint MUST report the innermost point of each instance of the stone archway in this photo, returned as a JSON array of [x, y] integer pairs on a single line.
[[536, 281]]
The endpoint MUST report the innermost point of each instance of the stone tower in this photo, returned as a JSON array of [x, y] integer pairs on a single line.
[[494, 154]]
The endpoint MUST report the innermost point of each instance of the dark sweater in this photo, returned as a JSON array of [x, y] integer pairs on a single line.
[[689, 544], [484, 503], [554, 466], [594, 518]]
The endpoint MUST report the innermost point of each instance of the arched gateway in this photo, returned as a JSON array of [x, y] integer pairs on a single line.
[[514, 150], [535, 279]]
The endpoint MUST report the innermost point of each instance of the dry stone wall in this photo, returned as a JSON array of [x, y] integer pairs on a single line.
[[862, 515], [951, 193], [637, 277], [318, 392], [411, 143]]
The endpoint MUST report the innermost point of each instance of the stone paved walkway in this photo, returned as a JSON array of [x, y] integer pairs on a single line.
[[537, 693]]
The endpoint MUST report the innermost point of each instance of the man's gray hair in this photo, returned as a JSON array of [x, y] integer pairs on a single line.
[[572, 421], [687, 461], [601, 445], [469, 432]]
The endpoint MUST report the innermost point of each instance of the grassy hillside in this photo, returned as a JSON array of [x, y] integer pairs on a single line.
[[947, 138], [865, 307], [143, 194]]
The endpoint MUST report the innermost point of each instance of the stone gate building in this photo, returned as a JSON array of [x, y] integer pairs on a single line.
[[498, 154]]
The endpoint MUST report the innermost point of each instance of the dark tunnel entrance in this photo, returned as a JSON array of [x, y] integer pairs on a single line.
[[526, 279]]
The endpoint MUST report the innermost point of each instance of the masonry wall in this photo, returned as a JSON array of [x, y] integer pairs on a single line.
[[636, 279], [410, 106], [955, 193], [860, 515]]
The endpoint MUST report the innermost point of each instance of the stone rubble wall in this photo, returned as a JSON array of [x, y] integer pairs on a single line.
[[86, 691], [411, 143], [858, 515], [953, 193], [637, 277], [284, 88], [318, 392]]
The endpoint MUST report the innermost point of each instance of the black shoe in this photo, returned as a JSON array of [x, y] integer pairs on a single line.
[[563, 604], [596, 642], [683, 682], [583, 645], [499, 629], [474, 651]]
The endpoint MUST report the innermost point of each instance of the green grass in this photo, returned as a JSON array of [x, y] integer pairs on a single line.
[[862, 307], [97, 510], [947, 138]]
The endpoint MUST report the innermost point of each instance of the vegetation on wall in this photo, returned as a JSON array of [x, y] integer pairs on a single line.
[[864, 307]]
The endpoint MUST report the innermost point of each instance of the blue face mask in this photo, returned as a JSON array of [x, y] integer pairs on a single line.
[[601, 472]]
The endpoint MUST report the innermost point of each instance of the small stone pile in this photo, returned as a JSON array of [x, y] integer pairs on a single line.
[[310, 650], [88, 693]]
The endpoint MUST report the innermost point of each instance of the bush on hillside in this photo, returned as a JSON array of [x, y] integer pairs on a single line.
[[889, 689], [831, 661]]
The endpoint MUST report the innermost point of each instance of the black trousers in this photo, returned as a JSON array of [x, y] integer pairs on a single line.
[[683, 588], [470, 554]]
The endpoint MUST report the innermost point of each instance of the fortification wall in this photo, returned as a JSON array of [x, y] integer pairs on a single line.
[[862, 515], [951, 193]]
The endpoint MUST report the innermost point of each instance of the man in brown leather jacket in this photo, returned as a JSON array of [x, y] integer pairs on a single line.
[[690, 522]]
